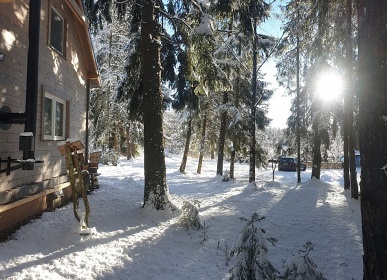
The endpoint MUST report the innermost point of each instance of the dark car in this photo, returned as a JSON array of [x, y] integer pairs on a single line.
[[289, 164]]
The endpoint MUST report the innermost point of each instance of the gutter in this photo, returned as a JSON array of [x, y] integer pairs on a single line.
[[32, 79]]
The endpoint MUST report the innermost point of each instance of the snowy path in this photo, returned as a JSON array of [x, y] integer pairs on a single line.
[[135, 243]]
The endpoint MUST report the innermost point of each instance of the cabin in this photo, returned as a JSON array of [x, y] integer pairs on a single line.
[[47, 69]]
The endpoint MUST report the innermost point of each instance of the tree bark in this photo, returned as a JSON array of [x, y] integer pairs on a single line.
[[234, 137], [298, 117], [372, 30], [129, 154], [156, 189], [235, 145], [349, 95], [186, 147], [222, 136], [232, 159], [253, 108], [129, 145], [347, 182], [316, 164], [352, 167], [202, 144]]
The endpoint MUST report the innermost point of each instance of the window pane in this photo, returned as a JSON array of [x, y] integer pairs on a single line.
[[47, 116], [59, 112], [56, 34]]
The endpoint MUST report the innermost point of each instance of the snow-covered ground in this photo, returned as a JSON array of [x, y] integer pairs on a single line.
[[131, 242]]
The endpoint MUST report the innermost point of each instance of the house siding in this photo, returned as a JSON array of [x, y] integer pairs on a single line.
[[61, 76]]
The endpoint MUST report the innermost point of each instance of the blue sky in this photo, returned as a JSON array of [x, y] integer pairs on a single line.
[[279, 105]]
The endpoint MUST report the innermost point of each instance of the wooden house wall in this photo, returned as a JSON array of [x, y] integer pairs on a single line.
[[62, 76]]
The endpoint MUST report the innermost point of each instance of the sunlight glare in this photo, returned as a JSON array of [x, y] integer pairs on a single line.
[[329, 86], [8, 39]]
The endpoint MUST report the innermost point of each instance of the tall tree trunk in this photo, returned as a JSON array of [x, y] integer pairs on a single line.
[[298, 117], [130, 146], [322, 30], [222, 135], [234, 136], [232, 158], [372, 16], [116, 139], [186, 147], [351, 148], [348, 94], [202, 144], [156, 189], [352, 167], [253, 106], [129, 154], [223, 129], [316, 164], [347, 182], [133, 148]]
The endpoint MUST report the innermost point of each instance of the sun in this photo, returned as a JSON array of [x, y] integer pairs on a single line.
[[329, 86]]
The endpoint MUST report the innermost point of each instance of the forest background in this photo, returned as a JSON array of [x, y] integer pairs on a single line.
[[210, 72]]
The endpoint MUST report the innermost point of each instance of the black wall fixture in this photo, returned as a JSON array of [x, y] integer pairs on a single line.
[[7, 118]]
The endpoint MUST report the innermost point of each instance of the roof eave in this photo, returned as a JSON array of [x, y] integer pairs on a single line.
[[87, 47]]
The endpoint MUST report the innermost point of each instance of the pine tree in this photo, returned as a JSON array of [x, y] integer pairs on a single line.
[[319, 25], [148, 96], [107, 114], [372, 15], [247, 15], [185, 98], [348, 105], [156, 189], [251, 252]]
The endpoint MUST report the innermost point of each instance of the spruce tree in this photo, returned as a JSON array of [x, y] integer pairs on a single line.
[[372, 16]]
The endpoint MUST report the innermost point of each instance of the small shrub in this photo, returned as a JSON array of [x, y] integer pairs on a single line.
[[189, 216], [226, 252], [226, 176], [205, 232], [110, 156], [302, 267], [251, 252]]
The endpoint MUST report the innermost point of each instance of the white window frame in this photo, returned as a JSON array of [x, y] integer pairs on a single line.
[[63, 39], [55, 100]]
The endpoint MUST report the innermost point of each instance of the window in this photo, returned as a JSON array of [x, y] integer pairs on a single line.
[[54, 118], [57, 31]]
